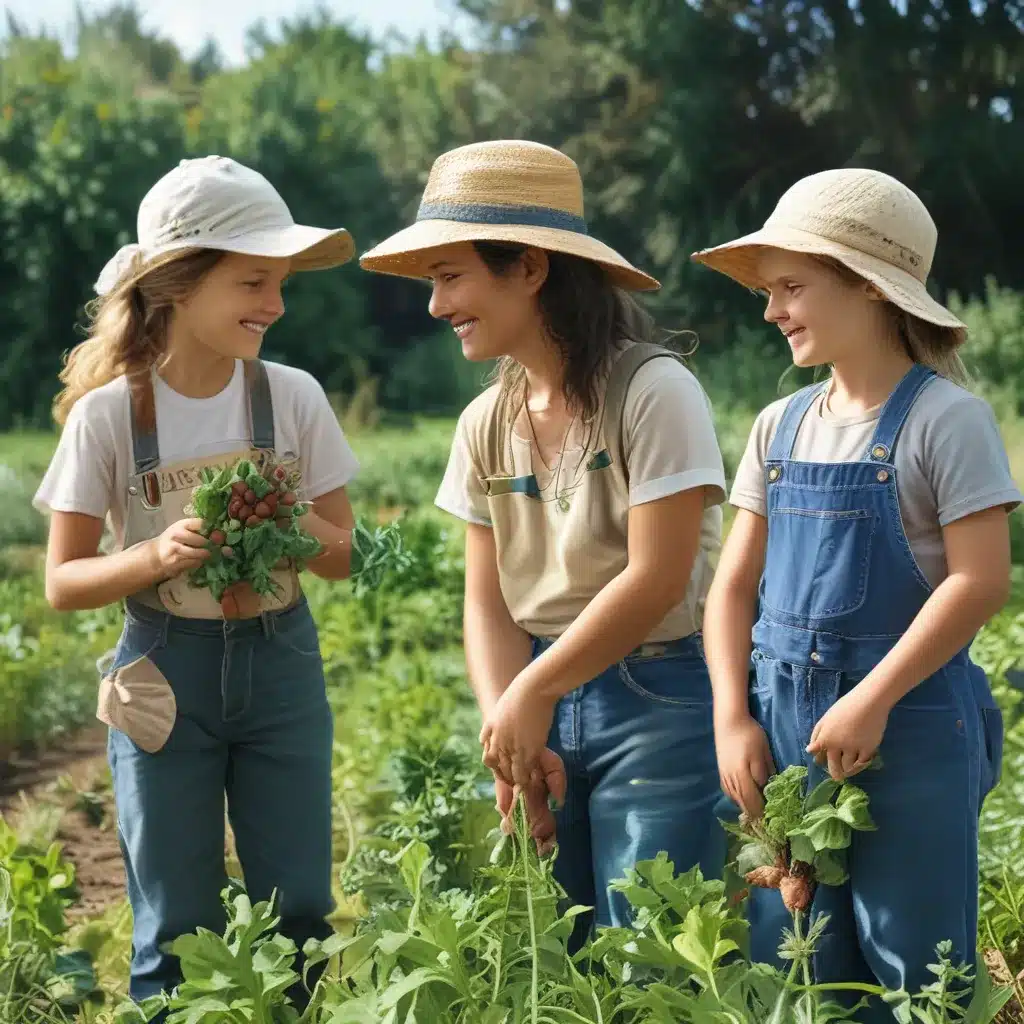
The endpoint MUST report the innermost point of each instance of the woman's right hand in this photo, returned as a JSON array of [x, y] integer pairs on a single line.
[[180, 548], [744, 762]]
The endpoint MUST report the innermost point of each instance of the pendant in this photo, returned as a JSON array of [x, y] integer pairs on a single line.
[[563, 504]]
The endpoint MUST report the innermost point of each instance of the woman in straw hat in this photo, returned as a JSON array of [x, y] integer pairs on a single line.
[[203, 698], [591, 482], [869, 546]]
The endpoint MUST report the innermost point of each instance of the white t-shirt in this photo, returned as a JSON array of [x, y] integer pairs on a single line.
[[950, 462], [90, 469]]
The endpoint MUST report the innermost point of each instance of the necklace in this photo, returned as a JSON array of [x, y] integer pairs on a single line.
[[561, 499]]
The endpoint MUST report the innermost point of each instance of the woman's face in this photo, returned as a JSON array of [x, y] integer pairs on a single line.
[[492, 314], [824, 317], [235, 304]]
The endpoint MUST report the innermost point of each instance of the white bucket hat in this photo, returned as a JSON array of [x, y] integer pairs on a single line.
[[503, 191], [864, 219], [214, 202]]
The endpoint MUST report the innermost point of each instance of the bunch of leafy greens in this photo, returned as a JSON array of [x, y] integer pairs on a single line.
[[248, 551]]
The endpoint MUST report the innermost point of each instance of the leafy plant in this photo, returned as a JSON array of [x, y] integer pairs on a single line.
[[251, 522]]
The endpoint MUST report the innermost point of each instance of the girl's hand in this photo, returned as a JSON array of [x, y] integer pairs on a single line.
[[848, 735], [550, 781], [744, 762], [180, 548], [515, 734]]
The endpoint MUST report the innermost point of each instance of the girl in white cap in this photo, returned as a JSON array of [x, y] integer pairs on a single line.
[[870, 545], [203, 698], [591, 482]]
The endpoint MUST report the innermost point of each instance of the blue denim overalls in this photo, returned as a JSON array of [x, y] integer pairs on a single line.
[[840, 587]]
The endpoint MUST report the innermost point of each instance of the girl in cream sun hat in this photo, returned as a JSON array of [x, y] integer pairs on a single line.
[[169, 384], [591, 529], [870, 545]]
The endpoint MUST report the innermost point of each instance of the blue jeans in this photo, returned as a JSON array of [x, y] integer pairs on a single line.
[[639, 752], [253, 725]]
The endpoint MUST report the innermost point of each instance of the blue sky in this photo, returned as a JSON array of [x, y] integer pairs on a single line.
[[189, 22]]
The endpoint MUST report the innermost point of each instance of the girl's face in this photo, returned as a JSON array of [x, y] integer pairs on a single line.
[[824, 317], [493, 315], [235, 304]]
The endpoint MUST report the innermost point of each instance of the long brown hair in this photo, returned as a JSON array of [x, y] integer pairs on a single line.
[[924, 342], [128, 327], [584, 315]]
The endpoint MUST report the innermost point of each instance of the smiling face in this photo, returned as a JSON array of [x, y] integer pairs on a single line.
[[235, 304], [825, 316], [492, 314]]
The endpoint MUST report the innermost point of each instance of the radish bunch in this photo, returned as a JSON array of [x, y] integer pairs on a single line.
[[251, 519]]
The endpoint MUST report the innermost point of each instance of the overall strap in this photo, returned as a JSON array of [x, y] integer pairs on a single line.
[[895, 411], [623, 371], [491, 437], [792, 416], [261, 405], [145, 443]]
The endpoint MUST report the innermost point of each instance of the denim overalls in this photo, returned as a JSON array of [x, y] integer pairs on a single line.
[[840, 587]]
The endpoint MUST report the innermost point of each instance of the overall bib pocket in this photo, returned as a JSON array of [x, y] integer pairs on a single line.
[[829, 577]]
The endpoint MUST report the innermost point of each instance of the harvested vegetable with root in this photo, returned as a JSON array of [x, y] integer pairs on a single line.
[[800, 841], [251, 518]]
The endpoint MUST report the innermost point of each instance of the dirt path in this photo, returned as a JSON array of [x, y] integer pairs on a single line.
[[65, 793]]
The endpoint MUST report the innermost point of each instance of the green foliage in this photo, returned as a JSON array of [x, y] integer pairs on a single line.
[[676, 153], [37, 980]]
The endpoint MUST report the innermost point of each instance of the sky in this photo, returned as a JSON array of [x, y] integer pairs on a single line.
[[190, 22]]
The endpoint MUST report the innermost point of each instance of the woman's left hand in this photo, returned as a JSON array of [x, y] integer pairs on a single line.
[[849, 734], [515, 733]]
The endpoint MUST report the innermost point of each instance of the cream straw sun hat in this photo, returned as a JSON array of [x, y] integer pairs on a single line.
[[502, 191], [864, 219], [214, 202]]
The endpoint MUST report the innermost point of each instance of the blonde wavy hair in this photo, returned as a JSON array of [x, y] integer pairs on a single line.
[[927, 343], [128, 327]]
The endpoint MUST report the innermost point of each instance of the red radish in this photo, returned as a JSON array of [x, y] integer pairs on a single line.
[[262, 510], [271, 499], [218, 537], [279, 473], [244, 512], [250, 497], [227, 551], [234, 507], [288, 498], [253, 520], [239, 487]]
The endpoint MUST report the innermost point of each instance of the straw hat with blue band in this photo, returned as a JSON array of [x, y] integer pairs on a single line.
[[503, 191]]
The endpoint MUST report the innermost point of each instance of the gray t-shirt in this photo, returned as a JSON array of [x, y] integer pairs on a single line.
[[950, 462]]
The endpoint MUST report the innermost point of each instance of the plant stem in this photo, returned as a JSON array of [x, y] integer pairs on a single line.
[[535, 959]]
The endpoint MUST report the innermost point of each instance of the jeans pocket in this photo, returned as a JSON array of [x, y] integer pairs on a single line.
[[992, 762], [300, 637], [674, 680]]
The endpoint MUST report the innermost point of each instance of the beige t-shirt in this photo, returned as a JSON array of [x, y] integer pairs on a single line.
[[950, 461], [553, 561]]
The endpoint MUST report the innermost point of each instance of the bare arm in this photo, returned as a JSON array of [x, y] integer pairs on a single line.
[[497, 649], [741, 746], [79, 578], [664, 537], [977, 586], [330, 520], [730, 611]]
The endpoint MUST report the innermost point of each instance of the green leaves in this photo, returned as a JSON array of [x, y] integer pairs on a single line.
[[377, 554]]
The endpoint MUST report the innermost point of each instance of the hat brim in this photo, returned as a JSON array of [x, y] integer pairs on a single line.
[[308, 248], [410, 252], [739, 260]]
